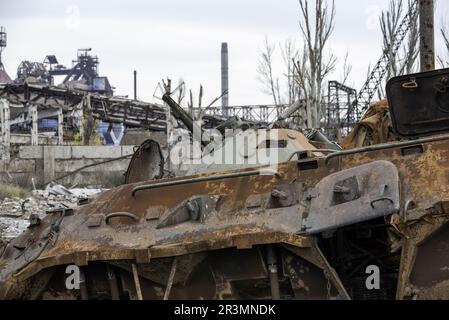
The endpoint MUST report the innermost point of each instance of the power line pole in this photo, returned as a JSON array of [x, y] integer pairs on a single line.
[[427, 34]]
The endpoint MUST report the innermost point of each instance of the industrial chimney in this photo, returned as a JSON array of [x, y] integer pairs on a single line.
[[135, 84], [224, 78], [2, 44]]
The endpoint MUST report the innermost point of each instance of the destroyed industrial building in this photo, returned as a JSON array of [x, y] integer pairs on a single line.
[[296, 213]]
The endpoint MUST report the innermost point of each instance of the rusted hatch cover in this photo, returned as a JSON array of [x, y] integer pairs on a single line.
[[352, 196]]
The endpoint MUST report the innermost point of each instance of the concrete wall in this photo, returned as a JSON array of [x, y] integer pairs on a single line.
[[45, 163]]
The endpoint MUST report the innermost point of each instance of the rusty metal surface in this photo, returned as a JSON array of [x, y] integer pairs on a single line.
[[353, 195], [146, 164], [307, 229], [242, 217]]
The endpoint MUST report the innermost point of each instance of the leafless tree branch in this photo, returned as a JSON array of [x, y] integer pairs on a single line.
[[265, 71], [443, 59], [316, 25]]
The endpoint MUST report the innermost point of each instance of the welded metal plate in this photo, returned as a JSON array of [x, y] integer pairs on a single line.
[[419, 103], [146, 164], [352, 196]]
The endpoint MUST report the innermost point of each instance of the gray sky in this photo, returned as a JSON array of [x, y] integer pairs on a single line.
[[180, 38]]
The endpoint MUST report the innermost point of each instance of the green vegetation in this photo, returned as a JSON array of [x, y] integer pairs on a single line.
[[91, 137], [12, 191]]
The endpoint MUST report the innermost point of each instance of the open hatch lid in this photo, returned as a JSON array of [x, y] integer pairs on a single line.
[[419, 103]]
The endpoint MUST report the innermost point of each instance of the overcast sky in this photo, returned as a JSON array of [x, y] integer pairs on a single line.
[[180, 38]]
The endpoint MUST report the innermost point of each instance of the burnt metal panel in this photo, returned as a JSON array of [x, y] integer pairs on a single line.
[[419, 103], [146, 164], [352, 196]]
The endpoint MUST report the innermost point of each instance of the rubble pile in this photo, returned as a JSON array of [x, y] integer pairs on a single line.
[[15, 213]]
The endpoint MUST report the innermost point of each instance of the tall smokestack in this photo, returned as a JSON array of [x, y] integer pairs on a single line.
[[135, 85], [427, 34], [224, 78]]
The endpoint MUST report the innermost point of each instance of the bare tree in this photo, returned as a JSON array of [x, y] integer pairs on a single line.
[[290, 54], [317, 25], [443, 59], [265, 70], [283, 89], [306, 69], [347, 69], [405, 61]]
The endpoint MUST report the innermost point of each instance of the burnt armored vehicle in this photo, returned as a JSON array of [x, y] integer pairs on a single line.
[[364, 223]]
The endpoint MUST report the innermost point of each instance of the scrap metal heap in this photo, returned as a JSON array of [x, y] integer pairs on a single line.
[[309, 228]]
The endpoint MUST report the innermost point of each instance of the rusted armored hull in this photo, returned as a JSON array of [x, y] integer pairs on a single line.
[[253, 233]]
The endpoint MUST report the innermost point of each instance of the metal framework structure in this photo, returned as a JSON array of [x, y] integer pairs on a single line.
[[340, 117], [108, 109], [379, 71], [84, 67], [256, 113], [50, 101], [36, 70]]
